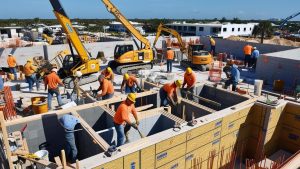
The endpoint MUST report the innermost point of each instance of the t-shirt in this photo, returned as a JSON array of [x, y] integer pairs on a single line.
[[170, 88], [107, 87], [11, 61], [68, 121], [170, 54], [123, 111], [29, 69], [212, 42], [52, 80], [247, 50], [255, 54], [190, 79], [131, 81]]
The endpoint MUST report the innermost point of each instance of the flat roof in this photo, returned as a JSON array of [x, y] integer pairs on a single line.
[[293, 54]]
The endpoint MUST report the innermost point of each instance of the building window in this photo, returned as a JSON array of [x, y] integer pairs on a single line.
[[185, 28], [179, 28], [215, 30], [245, 29], [224, 29], [175, 27], [250, 29], [201, 29], [232, 29], [192, 28], [239, 29]]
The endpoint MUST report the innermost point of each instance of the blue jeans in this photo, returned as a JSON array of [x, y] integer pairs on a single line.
[[50, 95], [13, 70], [31, 80], [121, 131], [213, 49], [71, 149], [229, 82], [107, 96], [163, 97], [1, 83], [130, 89], [169, 65]]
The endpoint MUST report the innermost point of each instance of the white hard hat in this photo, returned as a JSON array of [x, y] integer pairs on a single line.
[[254, 47], [9, 54], [54, 70], [78, 74]]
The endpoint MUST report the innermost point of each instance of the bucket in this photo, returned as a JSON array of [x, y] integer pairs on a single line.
[[39, 105], [278, 85], [42, 154], [258, 87]]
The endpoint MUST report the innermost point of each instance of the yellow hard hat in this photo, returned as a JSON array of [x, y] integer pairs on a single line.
[[188, 70], [131, 97], [30, 60], [126, 76], [109, 69], [178, 83]]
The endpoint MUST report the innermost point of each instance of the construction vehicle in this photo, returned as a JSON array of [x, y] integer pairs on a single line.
[[197, 57], [125, 57], [72, 63]]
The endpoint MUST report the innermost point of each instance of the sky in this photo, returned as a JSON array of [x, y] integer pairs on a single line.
[[144, 9]]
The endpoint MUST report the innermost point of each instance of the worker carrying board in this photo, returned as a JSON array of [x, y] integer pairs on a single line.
[[168, 93], [106, 87], [130, 84], [122, 122], [189, 81]]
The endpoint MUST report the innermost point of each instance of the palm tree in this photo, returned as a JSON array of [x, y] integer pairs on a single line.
[[265, 29]]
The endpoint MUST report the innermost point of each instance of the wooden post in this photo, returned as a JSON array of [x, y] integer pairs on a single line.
[[5, 140], [77, 164], [63, 158]]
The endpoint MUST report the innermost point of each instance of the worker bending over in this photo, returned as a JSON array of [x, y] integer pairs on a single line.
[[234, 77], [69, 122], [122, 122], [108, 74], [51, 82], [30, 75], [130, 84], [12, 64], [168, 93], [190, 81], [107, 88]]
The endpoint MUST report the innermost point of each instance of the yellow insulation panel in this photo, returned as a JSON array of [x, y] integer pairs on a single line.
[[170, 155], [148, 157], [171, 142]]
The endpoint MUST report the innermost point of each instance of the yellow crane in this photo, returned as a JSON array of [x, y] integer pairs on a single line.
[[196, 56], [125, 57], [82, 62]]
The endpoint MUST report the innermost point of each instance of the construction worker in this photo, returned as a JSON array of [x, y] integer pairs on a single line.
[[122, 122], [212, 46], [170, 58], [76, 89], [30, 75], [51, 82], [129, 84], [168, 93], [108, 74], [234, 77], [12, 64], [190, 81], [254, 57], [107, 88], [1, 80], [69, 123], [247, 52]]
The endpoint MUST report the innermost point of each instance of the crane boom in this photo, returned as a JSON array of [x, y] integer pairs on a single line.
[[287, 19], [173, 32], [121, 18], [66, 24]]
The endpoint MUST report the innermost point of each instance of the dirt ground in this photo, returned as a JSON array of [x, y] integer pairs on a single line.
[[274, 40]]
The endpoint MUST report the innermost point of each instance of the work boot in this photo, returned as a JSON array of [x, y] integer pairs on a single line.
[[126, 138]]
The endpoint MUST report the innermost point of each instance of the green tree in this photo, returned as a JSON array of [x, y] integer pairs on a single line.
[[264, 29], [236, 20], [223, 20]]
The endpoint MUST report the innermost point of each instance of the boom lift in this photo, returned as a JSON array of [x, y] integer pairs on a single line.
[[125, 57], [196, 56], [82, 62]]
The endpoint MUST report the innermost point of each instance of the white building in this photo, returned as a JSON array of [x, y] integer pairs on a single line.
[[214, 29], [118, 27], [58, 28], [11, 32]]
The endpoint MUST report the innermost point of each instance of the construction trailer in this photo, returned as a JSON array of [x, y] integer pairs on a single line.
[[238, 133]]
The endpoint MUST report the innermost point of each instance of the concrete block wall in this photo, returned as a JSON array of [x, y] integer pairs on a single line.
[[235, 48]]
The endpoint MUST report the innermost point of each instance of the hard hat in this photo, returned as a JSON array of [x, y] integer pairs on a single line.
[[78, 74], [109, 69], [126, 76], [54, 70], [169, 47], [178, 83], [131, 97], [10, 54], [254, 48], [30, 60], [188, 70]]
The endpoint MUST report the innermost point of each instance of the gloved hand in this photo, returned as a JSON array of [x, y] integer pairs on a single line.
[[134, 125], [137, 122]]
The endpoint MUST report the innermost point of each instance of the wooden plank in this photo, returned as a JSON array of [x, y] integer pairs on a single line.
[[57, 161], [199, 105], [101, 142], [142, 108], [5, 140], [63, 158]]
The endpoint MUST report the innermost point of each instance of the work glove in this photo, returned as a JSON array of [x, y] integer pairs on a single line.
[[134, 125], [137, 122]]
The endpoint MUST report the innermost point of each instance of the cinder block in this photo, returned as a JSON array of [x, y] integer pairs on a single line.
[[171, 142], [176, 164], [148, 157], [118, 163], [204, 129], [203, 139], [132, 161], [170, 155]]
